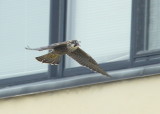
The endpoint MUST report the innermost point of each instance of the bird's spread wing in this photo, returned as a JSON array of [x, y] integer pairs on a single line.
[[50, 58], [50, 47], [84, 59]]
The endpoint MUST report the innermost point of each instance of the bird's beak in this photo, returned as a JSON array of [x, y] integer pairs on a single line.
[[77, 44]]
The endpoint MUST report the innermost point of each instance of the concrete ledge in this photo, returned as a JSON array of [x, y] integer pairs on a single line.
[[77, 81]]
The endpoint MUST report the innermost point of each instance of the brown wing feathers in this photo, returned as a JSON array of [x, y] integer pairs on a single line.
[[50, 58], [84, 59]]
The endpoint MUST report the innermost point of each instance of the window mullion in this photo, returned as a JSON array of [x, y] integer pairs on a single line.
[[139, 31], [57, 31]]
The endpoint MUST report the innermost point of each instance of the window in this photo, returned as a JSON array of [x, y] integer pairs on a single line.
[[93, 23], [22, 23], [122, 36], [99, 26]]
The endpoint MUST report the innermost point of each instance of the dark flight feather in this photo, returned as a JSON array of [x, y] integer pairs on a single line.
[[86, 60]]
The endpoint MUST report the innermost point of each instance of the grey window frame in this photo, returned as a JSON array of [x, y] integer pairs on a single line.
[[139, 64], [140, 36]]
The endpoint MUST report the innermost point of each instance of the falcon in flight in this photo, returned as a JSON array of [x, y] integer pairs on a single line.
[[71, 48]]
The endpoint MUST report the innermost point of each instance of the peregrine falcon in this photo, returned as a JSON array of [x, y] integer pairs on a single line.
[[72, 49]]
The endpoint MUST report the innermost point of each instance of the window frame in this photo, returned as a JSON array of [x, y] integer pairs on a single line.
[[139, 65], [140, 36]]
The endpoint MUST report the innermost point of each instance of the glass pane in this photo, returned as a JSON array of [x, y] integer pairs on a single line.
[[102, 26], [154, 25], [22, 23]]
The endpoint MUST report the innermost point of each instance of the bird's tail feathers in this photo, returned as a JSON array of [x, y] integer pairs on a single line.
[[50, 58]]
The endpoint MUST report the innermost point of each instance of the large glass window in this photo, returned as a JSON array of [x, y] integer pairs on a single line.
[[22, 23], [103, 27]]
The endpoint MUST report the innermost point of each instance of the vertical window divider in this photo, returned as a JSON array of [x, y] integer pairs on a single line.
[[138, 29], [57, 31], [133, 32], [146, 29]]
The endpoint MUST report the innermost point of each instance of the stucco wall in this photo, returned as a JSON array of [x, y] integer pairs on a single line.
[[136, 96]]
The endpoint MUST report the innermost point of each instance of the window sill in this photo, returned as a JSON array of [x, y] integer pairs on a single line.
[[77, 81]]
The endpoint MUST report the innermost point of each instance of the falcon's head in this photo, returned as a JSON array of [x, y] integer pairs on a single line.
[[74, 43]]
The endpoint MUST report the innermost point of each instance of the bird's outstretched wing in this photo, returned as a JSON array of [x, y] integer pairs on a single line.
[[50, 47], [86, 60], [50, 58]]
